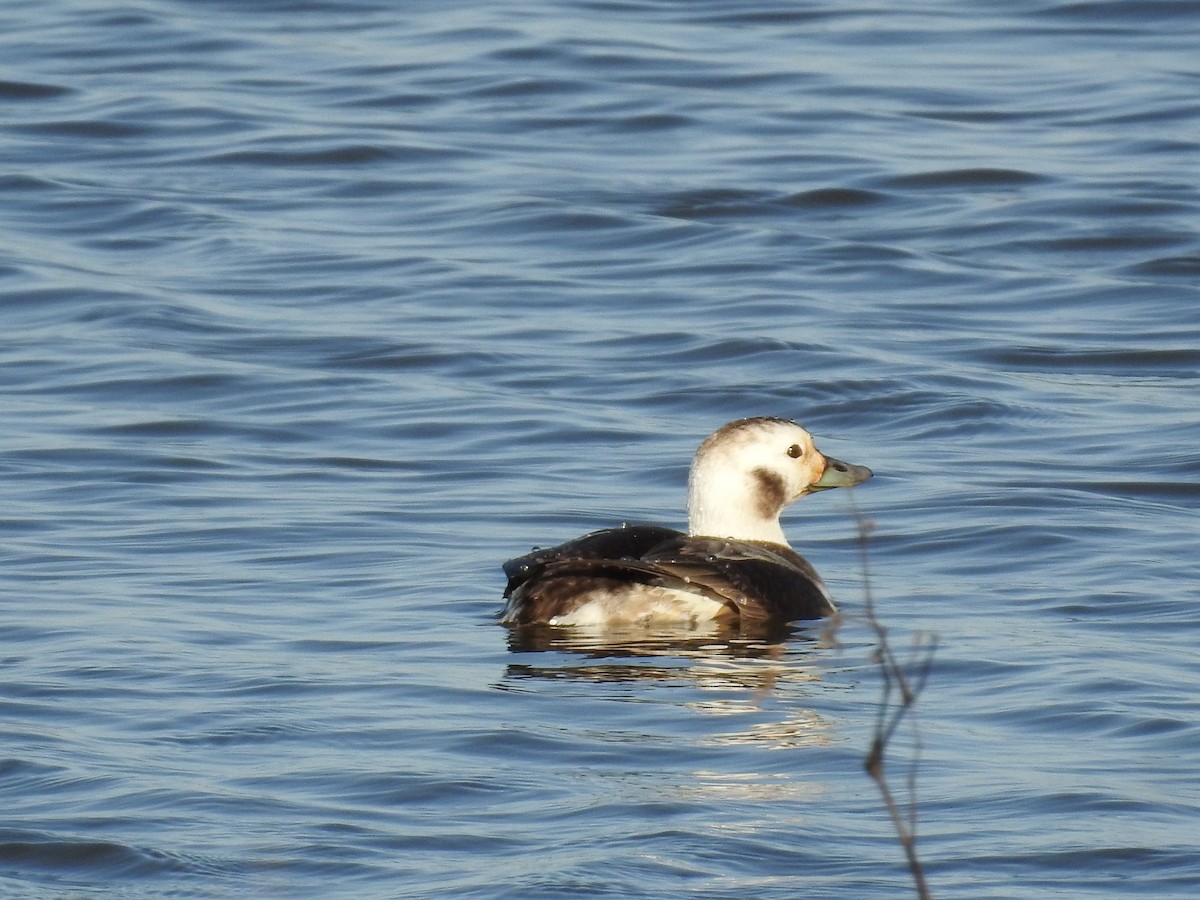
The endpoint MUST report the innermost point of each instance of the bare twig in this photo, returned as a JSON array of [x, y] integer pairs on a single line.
[[893, 711]]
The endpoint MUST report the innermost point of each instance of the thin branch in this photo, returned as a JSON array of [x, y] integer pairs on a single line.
[[891, 713]]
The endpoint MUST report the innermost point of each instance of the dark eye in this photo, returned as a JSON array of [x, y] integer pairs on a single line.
[[795, 451]]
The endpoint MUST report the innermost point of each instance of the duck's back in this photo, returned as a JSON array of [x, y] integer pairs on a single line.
[[626, 542], [650, 573]]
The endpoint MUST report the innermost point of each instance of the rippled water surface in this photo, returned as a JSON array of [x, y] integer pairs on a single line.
[[314, 313]]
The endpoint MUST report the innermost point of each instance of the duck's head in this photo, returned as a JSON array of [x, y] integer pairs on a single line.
[[746, 472]]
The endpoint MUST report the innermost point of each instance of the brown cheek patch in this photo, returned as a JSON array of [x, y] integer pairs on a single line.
[[771, 492]]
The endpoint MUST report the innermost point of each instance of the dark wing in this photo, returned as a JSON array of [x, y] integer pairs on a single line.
[[764, 581], [629, 542]]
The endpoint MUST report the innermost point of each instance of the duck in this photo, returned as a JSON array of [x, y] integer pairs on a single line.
[[734, 564]]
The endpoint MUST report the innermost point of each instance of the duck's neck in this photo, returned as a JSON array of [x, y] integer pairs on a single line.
[[717, 508]]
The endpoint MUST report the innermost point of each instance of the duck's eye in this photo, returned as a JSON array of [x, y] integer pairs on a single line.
[[795, 451]]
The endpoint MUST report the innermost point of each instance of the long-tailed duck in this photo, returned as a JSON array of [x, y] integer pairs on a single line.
[[733, 564]]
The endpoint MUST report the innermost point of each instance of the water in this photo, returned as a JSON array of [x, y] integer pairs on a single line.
[[315, 313]]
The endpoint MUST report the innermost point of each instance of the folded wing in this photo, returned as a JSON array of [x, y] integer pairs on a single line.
[[763, 581], [754, 581]]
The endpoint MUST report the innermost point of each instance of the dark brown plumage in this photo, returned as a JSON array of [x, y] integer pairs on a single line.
[[752, 580]]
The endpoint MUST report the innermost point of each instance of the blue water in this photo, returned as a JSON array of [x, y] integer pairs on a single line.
[[314, 313]]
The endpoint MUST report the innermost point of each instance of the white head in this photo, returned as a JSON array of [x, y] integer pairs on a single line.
[[746, 472]]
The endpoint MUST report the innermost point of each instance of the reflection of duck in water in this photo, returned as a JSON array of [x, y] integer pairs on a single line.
[[733, 565]]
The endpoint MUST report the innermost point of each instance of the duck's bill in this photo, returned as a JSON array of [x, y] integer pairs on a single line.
[[841, 474]]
